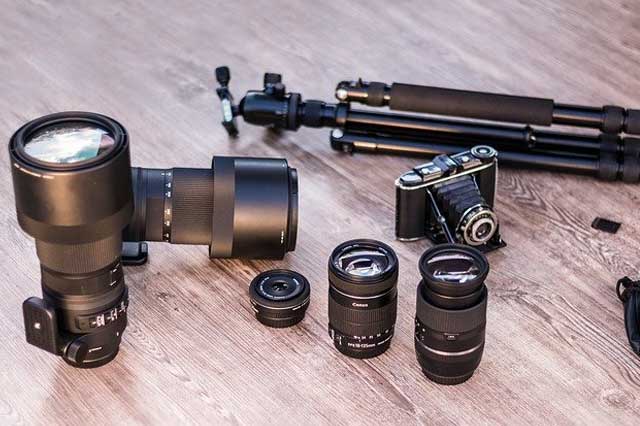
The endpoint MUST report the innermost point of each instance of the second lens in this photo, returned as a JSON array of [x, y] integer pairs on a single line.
[[451, 312], [362, 297]]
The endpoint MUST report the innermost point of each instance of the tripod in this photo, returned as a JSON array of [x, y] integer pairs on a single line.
[[609, 155]]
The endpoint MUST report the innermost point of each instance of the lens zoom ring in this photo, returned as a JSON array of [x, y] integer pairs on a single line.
[[79, 258], [362, 321], [192, 206], [452, 321]]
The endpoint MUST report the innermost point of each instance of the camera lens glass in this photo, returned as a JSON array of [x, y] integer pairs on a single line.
[[68, 142], [478, 226], [452, 267], [362, 297], [451, 312], [363, 262], [279, 297]]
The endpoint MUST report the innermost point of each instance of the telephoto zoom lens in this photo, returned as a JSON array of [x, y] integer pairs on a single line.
[[72, 183], [363, 297], [451, 312], [240, 207], [279, 297]]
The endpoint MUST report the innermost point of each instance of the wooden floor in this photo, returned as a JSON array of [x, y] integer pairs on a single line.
[[555, 352]]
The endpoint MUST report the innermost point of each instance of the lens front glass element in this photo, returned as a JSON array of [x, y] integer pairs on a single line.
[[68, 143], [279, 287], [363, 262], [452, 267]]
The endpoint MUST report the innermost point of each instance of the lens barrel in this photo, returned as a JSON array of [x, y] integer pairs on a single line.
[[363, 299], [241, 207], [72, 182], [451, 313], [279, 297]]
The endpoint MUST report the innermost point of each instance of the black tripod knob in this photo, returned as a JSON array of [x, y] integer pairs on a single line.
[[272, 79], [223, 75]]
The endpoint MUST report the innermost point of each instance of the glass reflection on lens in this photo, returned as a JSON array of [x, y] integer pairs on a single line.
[[363, 263], [453, 267], [68, 143]]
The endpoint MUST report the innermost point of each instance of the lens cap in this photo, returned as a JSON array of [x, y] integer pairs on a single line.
[[279, 297]]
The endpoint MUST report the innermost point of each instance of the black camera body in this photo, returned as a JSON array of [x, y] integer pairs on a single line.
[[452, 196]]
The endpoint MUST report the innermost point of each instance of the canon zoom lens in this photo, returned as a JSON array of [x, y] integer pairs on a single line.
[[279, 297], [72, 183], [362, 297], [451, 312]]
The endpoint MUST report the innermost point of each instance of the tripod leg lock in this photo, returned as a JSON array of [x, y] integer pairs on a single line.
[[612, 119], [632, 123]]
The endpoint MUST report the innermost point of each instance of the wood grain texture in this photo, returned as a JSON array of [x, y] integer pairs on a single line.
[[555, 352]]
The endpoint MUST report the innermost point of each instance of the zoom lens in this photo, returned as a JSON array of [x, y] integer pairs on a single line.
[[279, 297], [72, 183], [451, 312], [241, 207], [362, 297]]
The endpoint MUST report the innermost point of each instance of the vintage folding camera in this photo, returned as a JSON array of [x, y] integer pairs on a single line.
[[451, 200]]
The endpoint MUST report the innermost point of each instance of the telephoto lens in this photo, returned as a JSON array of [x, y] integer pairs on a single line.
[[78, 197], [451, 312], [241, 207], [72, 183], [363, 297], [279, 297]]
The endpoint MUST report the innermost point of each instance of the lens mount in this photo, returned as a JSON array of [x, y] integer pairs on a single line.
[[453, 269], [279, 297]]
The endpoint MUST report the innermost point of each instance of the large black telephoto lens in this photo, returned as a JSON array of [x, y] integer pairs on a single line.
[[451, 312], [363, 297], [72, 183], [240, 207], [76, 193]]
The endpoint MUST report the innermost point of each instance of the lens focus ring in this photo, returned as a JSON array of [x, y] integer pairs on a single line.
[[362, 321]]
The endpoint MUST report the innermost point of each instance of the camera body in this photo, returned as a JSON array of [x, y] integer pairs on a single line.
[[451, 198]]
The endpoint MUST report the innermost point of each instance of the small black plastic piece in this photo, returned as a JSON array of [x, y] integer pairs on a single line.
[[605, 225], [280, 297], [134, 253], [41, 325]]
